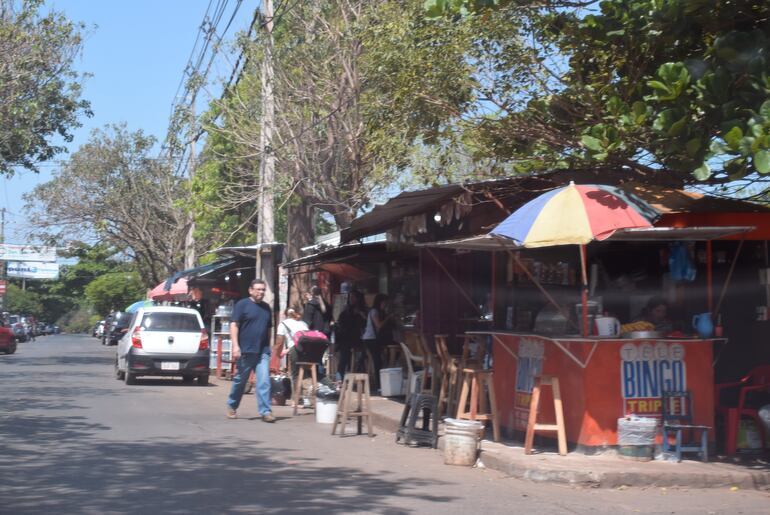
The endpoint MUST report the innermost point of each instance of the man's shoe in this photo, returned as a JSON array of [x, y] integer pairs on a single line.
[[268, 417], [231, 413]]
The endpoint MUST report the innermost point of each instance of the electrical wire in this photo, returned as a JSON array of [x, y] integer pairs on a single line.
[[208, 41]]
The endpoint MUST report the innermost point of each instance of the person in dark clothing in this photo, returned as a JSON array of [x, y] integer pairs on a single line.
[[317, 314], [378, 332], [349, 329], [250, 329]]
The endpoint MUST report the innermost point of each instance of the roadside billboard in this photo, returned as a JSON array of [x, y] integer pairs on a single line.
[[10, 252], [32, 270]]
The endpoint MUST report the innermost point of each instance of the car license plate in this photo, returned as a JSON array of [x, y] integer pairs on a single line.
[[169, 365]]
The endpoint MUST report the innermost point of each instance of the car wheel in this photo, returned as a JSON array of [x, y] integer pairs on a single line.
[[203, 380], [118, 374], [128, 377], [11, 349]]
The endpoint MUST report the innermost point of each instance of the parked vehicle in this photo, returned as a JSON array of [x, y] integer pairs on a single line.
[[106, 329], [117, 328], [164, 341], [7, 339], [16, 324]]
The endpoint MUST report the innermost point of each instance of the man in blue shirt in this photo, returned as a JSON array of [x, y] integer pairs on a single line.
[[250, 327]]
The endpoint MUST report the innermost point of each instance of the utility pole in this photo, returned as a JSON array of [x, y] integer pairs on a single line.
[[265, 226], [189, 240], [2, 262]]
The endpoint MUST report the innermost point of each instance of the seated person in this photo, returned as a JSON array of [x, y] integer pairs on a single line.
[[656, 314]]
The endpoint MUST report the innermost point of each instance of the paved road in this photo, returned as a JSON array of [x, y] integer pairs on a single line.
[[75, 440]]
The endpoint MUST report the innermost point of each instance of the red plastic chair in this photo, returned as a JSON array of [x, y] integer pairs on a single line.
[[757, 380]]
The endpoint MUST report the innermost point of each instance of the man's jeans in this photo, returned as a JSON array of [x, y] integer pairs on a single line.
[[246, 363]]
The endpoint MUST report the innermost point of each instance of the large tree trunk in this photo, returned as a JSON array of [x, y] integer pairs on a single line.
[[299, 233], [343, 219]]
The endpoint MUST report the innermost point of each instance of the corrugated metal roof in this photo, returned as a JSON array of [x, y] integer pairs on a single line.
[[513, 192]]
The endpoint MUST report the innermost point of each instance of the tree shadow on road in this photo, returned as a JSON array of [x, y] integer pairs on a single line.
[[60, 463]]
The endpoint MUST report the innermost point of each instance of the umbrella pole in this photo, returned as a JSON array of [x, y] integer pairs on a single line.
[[584, 293]]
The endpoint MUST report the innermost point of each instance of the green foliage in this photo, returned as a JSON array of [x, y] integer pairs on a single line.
[[114, 190], [641, 85], [92, 261], [114, 291], [23, 302], [39, 89], [78, 320], [437, 8]]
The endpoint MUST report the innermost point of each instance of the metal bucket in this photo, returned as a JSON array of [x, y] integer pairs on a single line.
[[462, 440]]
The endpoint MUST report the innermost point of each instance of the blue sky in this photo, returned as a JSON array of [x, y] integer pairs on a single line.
[[136, 52]]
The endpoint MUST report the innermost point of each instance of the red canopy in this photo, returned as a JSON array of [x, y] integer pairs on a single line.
[[178, 291]]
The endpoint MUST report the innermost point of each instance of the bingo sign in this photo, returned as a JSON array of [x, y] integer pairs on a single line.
[[529, 366], [646, 371]]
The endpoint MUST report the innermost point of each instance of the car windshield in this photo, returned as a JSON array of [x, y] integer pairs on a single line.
[[183, 322]]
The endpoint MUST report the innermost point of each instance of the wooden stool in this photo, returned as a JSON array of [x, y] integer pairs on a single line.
[[358, 385], [312, 368], [534, 405], [474, 381], [450, 376]]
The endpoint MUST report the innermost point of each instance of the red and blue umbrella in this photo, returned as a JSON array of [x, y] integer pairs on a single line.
[[577, 215]]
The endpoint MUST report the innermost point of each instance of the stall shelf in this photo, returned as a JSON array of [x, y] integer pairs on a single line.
[[220, 338]]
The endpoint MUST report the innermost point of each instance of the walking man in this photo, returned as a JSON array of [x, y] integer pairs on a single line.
[[250, 336]]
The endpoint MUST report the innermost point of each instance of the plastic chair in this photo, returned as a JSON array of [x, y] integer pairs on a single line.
[[413, 376], [677, 419], [757, 380]]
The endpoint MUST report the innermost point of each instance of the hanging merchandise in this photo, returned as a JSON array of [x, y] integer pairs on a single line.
[[680, 263]]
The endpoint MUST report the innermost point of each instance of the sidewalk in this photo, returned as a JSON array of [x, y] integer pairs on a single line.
[[604, 470]]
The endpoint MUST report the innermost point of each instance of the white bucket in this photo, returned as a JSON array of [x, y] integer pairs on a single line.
[[391, 381], [461, 441], [325, 411]]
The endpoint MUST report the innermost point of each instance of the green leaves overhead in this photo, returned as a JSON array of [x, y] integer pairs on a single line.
[[39, 88], [683, 84]]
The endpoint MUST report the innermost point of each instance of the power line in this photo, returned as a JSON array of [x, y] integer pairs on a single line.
[[208, 33]]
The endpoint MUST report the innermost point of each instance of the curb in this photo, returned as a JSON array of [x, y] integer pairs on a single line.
[[629, 474]]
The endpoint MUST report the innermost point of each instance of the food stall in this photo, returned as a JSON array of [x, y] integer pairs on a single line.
[[537, 331], [469, 284]]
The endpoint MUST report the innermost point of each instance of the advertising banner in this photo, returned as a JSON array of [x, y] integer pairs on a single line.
[[33, 270], [646, 370], [2, 287], [10, 252]]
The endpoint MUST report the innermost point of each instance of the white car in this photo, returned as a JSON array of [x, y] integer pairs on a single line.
[[164, 341]]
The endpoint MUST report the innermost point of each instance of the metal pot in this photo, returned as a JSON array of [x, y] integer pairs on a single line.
[[643, 335]]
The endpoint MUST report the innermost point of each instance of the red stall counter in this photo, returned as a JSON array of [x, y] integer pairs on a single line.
[[601, 380]]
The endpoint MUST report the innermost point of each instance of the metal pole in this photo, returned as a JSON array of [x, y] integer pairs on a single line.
[[266, 232], [584, 292], [189, 240]]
